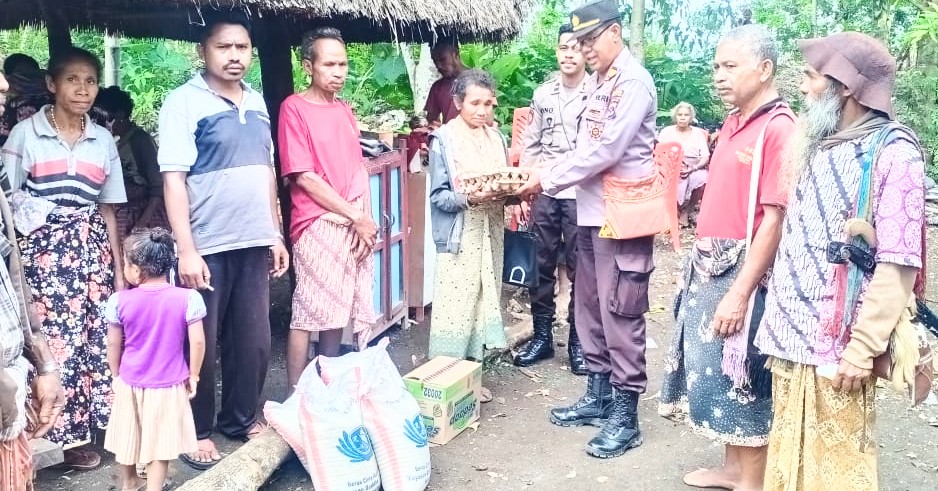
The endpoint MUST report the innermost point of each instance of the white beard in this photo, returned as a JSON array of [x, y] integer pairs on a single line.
[[818, 120]]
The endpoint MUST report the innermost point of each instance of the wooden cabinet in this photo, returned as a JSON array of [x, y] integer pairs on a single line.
[[388, 187]]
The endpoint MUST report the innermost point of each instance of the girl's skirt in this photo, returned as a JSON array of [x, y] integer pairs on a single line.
[[150, 424]]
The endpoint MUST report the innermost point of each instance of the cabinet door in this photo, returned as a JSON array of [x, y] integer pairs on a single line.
[[376, 188], [396, 229]]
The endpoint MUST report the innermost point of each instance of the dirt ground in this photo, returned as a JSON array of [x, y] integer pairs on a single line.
[[516, 448]]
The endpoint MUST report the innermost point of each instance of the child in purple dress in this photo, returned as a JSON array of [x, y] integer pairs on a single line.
[[151, 421]]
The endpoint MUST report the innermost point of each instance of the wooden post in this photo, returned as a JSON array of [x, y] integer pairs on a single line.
[[273, 49], [60, 38], [112, 59]]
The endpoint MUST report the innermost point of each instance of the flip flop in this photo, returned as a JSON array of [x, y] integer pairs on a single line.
[[196, 464], [199, 465], [255, 431]]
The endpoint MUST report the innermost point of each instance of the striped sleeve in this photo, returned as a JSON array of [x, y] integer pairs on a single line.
[[13, 172]]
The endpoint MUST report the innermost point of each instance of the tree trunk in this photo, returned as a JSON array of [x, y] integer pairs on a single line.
[[420, 72], [637, 34], [248, 468]]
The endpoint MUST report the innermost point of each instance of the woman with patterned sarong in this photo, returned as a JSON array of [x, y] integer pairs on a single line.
[[65, 177], [468, 229], [330, 220]]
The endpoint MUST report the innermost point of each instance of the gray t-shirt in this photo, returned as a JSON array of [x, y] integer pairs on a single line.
[[227, 152]]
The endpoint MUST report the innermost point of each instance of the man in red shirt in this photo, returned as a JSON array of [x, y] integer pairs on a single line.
[[330, 224], [713, 373], [440, 107]]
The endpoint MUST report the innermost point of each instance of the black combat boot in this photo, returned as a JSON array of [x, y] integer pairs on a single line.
[[541, 346], [592, 409], [575, 352], [620, 432]]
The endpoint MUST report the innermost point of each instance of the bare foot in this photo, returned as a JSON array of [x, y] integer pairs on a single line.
[[684, 220], [712, 478]]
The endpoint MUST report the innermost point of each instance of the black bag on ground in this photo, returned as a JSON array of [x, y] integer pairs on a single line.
[[520, 267]]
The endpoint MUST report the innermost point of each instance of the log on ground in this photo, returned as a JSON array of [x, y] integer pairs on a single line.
[[247, 468]]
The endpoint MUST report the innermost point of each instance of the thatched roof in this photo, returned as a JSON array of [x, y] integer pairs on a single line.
[[359, 20]]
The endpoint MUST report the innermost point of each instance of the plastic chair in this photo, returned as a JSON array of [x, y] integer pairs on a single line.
[[519, 123]]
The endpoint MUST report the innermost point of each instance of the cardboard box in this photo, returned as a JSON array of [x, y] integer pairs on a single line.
[[447, 390]]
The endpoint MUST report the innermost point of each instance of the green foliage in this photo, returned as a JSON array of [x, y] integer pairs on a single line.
[[798, 19], [150, 69], [512, 72], [521, 65], [29, 40], [377, 79], [917, 87], [684, 80], [917, 106], [922, 37]]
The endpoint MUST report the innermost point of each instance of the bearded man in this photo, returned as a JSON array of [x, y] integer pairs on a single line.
[[849, 160]]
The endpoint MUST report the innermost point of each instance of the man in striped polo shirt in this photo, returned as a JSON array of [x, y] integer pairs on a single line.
[[216, 155]]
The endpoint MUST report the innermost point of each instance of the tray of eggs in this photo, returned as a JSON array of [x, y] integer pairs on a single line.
[[504, 181]]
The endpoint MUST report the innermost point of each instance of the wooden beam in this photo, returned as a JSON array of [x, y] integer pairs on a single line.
[[247, 468], [45, 453], [274, 50], [60, 38]]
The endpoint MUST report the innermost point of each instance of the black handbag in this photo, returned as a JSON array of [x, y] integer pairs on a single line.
[[520, 268]]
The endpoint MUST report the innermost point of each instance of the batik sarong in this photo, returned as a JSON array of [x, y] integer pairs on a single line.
[[333, 288], [822, 439]]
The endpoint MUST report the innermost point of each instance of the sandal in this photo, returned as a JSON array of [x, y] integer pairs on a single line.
[[255, 430], [485, 395], [167, 485], [199, 465], [81, 460]]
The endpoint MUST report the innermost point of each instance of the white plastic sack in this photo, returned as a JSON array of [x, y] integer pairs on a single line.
[[391, 416], [338, 452], [285, 420]]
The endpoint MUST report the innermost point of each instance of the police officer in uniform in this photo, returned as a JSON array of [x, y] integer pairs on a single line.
[[555, 110], [615, 137]]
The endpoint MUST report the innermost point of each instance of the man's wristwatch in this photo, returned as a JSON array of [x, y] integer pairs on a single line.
[[47, 368]]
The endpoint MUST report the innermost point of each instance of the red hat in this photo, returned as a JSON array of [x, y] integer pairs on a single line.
[[858, 61]]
